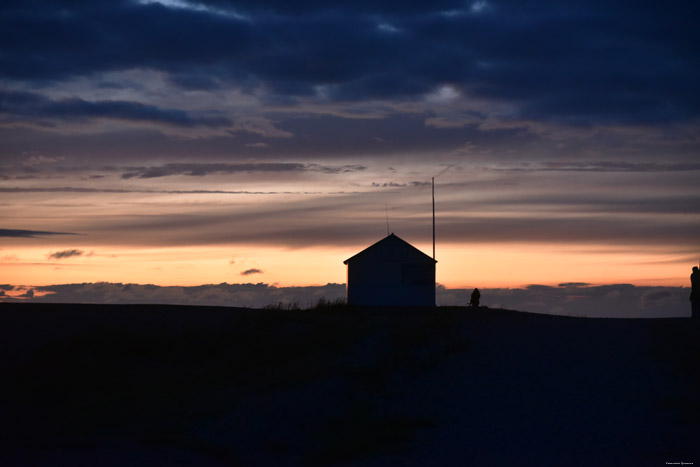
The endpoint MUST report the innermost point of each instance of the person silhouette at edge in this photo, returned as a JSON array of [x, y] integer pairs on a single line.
[[474, 301], [695, 293]]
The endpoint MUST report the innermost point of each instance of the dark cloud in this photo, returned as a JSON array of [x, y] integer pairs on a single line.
[[112, 35], [201, 169], [399, 184], [557, 229], [243, 295], [65, 254], [656, 298], [394, 8], [546, 210], [29, 233], [28, 294], [594, 203], [26, 105], [323, 138], [606, 301], [67, 189], [249, 272], [578, 62], [402, 133], [501, 214], [602, 166], [611, 301]]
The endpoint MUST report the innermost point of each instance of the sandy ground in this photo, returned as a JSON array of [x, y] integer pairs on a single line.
[[163, 385]]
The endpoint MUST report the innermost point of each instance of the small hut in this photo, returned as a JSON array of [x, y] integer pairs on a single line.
[[391, 272]]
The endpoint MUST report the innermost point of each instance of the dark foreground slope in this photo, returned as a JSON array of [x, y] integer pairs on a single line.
[[162, 385]]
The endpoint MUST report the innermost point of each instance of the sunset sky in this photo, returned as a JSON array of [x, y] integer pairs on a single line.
[[172, 142]]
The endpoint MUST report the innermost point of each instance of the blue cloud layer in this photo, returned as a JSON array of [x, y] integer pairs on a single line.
[[28, 105], [611, 301], [579, 62]]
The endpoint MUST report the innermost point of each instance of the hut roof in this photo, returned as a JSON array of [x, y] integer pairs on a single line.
[[392, 247]]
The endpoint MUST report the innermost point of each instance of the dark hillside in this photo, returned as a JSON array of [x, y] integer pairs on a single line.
[[165, 385]]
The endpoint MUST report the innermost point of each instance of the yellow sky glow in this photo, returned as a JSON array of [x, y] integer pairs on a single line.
[[477, 265]]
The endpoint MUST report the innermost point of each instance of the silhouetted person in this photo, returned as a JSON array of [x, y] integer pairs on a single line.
[[695, 292], [476, 295]]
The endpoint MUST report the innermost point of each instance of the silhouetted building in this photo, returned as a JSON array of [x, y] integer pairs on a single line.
[[391, 272]]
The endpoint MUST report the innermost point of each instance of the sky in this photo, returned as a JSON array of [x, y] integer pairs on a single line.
[[181, 143]]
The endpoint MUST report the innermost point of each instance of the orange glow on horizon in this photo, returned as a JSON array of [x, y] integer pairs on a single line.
[[519, 265], [459, 266]]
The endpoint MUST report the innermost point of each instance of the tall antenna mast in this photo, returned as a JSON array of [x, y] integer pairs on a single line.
[[433, 218]]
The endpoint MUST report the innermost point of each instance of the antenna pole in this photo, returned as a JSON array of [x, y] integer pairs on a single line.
[[386, 207], [433, 218]]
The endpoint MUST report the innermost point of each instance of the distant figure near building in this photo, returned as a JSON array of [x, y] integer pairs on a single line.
[[695, 293], [476, 296]]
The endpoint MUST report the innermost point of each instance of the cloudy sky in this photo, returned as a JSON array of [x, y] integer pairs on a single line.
[[181, 143]]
